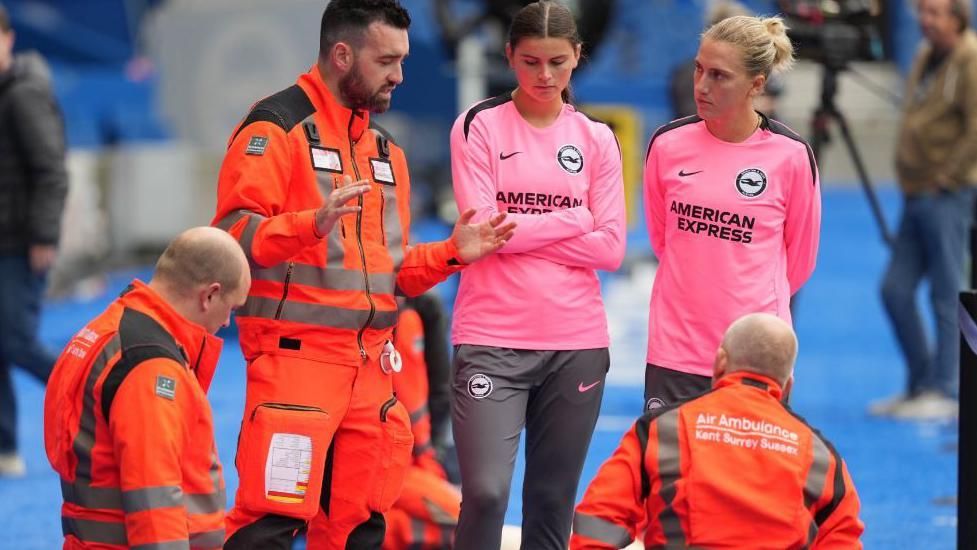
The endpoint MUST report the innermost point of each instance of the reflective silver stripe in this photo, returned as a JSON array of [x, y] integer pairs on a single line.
[[669, 472], [170, 545], [86, 496], [85, 439], [150, 498], [329, 278], [817, 478], [438, 514], [247, 236], [812, 533], [417, 533], [205, 503], [229, 220], [419, 414], [208, 503], [421, 449], [392, 229], [315, 314], [208, 540], [817, 475], [89, 530], [600, 529]]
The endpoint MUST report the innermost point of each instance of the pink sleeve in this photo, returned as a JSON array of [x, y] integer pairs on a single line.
[[654, 193], [474, 188], [802, 225], [604, 247]]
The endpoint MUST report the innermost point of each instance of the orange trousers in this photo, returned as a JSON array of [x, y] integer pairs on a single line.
[[340, 433]]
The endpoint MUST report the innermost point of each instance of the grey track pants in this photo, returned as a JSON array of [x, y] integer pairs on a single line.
[[556, 396]]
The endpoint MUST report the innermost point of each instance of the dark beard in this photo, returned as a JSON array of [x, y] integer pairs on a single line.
[[358, 97]]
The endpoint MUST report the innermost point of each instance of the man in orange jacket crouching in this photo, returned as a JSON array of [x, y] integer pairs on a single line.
[[733, 468], [127, 425]]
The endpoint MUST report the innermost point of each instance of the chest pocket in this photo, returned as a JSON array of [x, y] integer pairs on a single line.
[[377, 226]]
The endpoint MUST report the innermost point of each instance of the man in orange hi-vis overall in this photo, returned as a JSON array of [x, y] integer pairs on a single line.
[[318, 197], [732, 468], [127, 425], [425, 515]]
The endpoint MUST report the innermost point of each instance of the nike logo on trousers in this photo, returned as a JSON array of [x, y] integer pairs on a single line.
[[581, 388]]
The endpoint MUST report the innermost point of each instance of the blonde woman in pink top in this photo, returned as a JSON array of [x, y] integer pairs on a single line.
[[529, 326], [733, 207]]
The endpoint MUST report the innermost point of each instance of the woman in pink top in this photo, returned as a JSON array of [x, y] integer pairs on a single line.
[[733, 208], [529, 325]]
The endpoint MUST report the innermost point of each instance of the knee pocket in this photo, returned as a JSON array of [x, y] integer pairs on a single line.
[[395, 455], [281, 459]]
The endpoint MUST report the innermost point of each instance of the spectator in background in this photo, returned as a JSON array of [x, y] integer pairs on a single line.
[[681, 83], [33, 185], [734, 468], [936, 163]]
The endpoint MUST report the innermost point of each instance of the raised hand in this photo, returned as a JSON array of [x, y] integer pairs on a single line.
[[335, 206], [42, 257], [477, 240]]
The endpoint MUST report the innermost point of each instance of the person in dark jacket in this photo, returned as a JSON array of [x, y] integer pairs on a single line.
[[33, 185]]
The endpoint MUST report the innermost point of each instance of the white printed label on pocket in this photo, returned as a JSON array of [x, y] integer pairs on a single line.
[[326, 159], [287, 468]]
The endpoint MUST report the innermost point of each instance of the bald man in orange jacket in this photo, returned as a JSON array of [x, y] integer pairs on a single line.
[[733, 468], [127, 426]]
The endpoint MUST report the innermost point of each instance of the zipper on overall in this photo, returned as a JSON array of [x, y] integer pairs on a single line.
[[287, 407], [359, 244]]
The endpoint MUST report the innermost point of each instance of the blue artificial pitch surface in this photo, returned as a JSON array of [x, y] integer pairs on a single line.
[[905, 472]]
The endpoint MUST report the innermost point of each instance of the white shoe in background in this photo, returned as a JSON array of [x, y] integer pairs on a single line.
[[928, 405], [885, 407], [511, 537], [12, 465]]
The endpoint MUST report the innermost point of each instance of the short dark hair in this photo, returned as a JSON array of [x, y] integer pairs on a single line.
[[345, 20], [4, 20]]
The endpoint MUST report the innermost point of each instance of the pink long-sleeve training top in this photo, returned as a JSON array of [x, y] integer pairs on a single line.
[[563, 186], [735, 227]]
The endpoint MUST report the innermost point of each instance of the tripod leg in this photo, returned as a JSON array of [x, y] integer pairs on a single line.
[[819, 132], [873, 201]]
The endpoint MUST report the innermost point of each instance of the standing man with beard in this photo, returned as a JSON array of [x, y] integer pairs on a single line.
[[319, 199]]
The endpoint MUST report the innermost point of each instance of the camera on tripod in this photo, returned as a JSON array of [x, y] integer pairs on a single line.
[[834, 32]]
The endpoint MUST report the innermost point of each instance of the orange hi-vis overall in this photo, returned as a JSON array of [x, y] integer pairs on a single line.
[[318, 314], [734, 468], [425, 515], [128, 428]]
